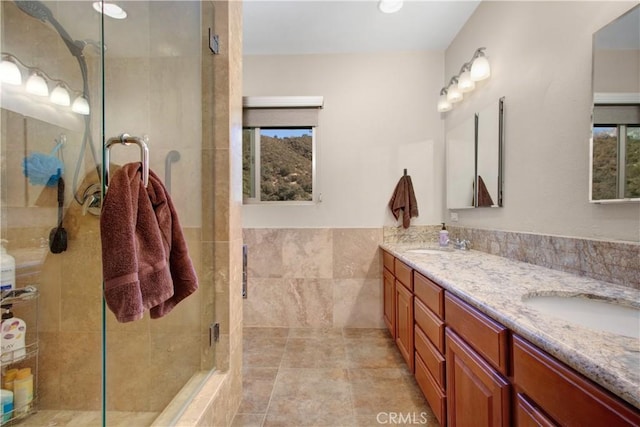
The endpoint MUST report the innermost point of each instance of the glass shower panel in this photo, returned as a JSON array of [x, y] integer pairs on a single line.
[[152, 91], [50, 110]]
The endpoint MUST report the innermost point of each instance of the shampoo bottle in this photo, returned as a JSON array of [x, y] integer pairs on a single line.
[[7, 270], [444, 236], [12, 332], [23, 391]]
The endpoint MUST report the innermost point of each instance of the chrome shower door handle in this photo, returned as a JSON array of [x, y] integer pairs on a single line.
[[126, 139]]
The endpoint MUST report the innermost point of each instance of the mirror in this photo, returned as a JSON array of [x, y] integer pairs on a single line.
[[460, 154], [615, 140], [474, 160]]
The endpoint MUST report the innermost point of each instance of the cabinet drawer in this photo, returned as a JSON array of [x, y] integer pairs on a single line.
[[436, 398], [432, 327], [387, 261], [529, 415], [433, 360], [429, 293], [563, 394], [403, 274], [486, 336]]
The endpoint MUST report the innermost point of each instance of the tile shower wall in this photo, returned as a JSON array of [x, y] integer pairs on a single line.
[[313, 277]]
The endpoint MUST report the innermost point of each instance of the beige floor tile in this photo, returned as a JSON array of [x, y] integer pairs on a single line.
[[315, 353], [373, 353], [391, 390], [257, 385], [311, 397], [263, 351]]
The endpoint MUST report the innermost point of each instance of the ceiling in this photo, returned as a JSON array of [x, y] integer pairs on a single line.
[[349, 26]]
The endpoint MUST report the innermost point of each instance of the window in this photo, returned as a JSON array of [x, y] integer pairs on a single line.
[[277, 164], [279, 149]]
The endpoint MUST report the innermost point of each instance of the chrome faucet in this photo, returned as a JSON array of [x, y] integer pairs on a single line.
[[463, 244]]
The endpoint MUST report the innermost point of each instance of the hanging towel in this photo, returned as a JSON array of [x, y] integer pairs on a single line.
[[484, 198], [403, 199], [145, 261]]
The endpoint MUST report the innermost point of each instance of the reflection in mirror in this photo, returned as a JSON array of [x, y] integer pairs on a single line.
[[615, 142], [489, 155], [461, 165]]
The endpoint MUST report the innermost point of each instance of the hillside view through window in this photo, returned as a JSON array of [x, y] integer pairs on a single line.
[[278, 164]]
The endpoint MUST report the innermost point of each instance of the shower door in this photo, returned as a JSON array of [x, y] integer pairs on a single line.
[[141, 75], [152, 92]]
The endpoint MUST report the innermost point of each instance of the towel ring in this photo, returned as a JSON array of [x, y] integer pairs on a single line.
[[126, 139]]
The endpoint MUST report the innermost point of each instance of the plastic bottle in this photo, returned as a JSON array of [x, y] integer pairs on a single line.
[[443, 239], [7, 404], [23, 391], [8, 377], [7, 269], [12, 332]]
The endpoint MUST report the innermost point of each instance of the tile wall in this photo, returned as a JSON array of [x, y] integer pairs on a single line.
[[313, 277]]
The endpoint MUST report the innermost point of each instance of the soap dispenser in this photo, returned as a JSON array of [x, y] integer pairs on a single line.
[[444, 236]]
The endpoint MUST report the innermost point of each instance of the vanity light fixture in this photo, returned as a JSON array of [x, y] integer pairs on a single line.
[[81, 106], [443, 103], [453, 93], [37, 85], [389, 6], [477, 69], [9, 71], [60, 95]]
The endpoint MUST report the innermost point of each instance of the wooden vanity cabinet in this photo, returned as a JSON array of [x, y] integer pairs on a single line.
[[550, 393], [478, 392], [389, 307], [429, 343], [404, 311]]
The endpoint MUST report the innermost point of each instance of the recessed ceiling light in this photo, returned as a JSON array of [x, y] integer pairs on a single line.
[[112, 10], [389, 6]]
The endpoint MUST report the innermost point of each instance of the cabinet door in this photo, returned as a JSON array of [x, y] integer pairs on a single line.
[[529, 415], [389, 303], [404, 323], [477, 395]]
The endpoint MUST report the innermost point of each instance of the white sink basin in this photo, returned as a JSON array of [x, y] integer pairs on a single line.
[[429, 251], [590, 311]]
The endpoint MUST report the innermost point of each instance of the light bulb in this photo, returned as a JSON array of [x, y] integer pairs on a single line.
[[443, 104], [465, 84], [480, 69], [37, 85], [81, 106], [389, 6], [60, 96], [10, 73], [453, 93]]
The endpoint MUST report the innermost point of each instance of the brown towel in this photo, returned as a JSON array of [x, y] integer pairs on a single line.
[[484, 198], [403, 199], [145, 261]]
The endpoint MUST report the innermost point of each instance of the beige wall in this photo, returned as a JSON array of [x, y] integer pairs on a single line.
[[541, 56], [379, 118], [617, 71]]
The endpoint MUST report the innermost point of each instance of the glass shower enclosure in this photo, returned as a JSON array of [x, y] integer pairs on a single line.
[[72, 78]]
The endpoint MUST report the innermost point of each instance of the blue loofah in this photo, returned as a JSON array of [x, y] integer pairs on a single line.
[[43, 169]]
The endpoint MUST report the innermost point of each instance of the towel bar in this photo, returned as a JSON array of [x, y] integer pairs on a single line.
[[126, 139]]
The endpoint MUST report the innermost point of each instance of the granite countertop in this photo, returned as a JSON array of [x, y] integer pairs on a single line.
[[497, 286]]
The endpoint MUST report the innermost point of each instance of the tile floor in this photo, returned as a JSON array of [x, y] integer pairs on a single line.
[[327, 377]]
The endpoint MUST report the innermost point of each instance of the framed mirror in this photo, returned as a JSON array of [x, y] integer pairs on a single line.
[[615, 140]]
